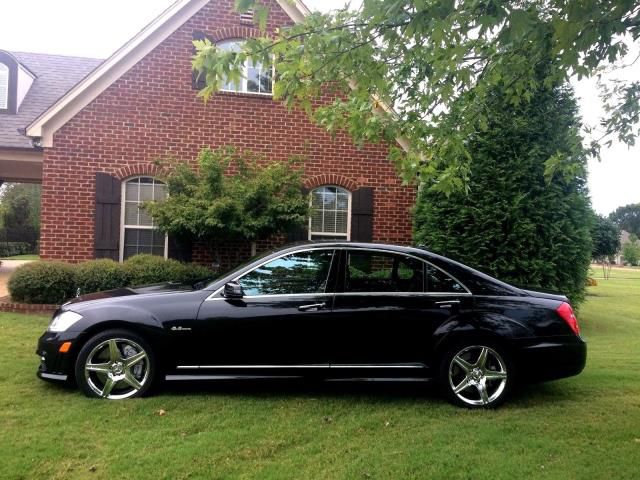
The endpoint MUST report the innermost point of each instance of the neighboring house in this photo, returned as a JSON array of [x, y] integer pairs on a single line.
[[97, 142], [624, 238]]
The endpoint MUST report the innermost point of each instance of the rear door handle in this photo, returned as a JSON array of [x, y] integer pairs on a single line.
[[314, 306], [448, 303]]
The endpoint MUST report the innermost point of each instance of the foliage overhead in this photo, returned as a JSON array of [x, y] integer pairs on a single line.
[[519, 222], [436, 62], [231, 196], [628, 218], [605, 236]]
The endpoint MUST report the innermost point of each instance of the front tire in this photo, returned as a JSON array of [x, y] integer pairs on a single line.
[[476, 375], [115, 364]]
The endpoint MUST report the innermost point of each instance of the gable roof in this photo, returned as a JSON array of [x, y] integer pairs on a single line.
[[55, 76], [49, 121]]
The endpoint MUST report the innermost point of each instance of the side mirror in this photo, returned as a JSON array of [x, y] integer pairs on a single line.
[[233, 290]]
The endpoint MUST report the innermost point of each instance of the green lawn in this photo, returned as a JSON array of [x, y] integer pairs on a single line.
[[22, 257], [583, 427]]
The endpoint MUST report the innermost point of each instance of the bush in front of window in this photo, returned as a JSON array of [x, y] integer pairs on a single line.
[[100, 275], [43, 282], [148, 269]]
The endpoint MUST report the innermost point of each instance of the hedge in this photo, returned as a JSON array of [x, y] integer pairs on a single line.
[[56, 282], [10, 249], [43, 282]]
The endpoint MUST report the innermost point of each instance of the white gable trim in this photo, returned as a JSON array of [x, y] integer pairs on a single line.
[[84, 92]]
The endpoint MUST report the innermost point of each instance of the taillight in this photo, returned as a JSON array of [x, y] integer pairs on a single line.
[[566, 312]]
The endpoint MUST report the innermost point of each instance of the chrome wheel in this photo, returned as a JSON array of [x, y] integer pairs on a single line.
[[477, 375], [117, 368]]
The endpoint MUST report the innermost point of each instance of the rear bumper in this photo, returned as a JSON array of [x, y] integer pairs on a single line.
[[552, 358]]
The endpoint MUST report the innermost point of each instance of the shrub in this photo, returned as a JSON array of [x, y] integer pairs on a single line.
[[43, 282], [100, 275], [9, 249], [148, 269]]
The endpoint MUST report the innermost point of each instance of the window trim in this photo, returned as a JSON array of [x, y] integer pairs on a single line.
[[347, 237], [7, 96], [123, 226], [245, 73]]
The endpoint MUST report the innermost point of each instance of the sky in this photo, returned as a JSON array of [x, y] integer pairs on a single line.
[[96, 28]]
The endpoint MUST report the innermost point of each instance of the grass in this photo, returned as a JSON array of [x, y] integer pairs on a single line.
[[22, 257], [577, 428]]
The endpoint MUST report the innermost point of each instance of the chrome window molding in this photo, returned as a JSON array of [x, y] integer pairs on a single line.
[[336, 250]]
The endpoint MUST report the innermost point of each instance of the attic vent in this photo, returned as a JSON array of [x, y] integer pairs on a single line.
[[247, 17]]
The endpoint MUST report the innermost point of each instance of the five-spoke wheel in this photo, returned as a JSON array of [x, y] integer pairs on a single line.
[[115, 365], [476, 375]]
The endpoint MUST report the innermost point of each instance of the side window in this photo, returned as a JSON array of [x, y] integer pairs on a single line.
[[383, 272], [438, 281], [301, 272]]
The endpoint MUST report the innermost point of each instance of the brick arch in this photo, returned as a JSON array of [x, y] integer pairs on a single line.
[[331, 179], [229, 33], [139, 169]]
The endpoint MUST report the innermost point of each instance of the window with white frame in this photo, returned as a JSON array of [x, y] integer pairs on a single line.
[[256, 78], [330, 214], [4, 86], [139, 233]]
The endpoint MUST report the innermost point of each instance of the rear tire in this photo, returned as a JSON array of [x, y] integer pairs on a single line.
[[476, 374], [115, 364]]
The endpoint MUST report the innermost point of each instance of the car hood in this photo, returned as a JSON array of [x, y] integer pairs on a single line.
[[157, 289]]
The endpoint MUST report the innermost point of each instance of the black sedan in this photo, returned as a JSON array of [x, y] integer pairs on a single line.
[[332, 311]]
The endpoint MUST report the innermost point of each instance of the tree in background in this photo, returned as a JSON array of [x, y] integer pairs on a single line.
[[437, 62], [605, 236], [628, 218], [631, 250], [521, 221], [20, 213], [232, 196]]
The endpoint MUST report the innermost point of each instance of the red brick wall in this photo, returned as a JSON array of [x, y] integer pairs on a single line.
[[152, 113]]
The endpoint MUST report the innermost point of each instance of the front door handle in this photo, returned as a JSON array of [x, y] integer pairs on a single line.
[[448, 303], [314, 306]]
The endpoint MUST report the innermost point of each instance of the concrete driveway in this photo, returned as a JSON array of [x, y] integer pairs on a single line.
[[6, 269]]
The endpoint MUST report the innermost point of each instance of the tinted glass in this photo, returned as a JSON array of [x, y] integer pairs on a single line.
[[382, 272], [438, 281], [302, 272]]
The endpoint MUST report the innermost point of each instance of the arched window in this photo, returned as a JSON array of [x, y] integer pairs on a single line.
[[330, 214], [4, 86], [138, 233], [256, 78]]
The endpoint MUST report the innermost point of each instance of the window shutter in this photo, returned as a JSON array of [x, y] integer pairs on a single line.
[[107, 226], [300, 233], [197, 82], [362, 215], [180, 249]]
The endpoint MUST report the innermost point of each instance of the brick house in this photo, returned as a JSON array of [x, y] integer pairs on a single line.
[[93, 147]]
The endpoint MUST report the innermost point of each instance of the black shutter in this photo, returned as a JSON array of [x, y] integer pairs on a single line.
[[180, 249], [198, 82], [107, 226], [362, 215], [299, 233]]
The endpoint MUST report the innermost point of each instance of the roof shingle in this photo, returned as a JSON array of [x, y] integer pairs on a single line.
[[56, 75]]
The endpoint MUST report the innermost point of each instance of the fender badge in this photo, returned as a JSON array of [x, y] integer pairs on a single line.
[[180, 329]]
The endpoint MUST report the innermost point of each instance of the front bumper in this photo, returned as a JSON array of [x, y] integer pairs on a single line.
[[54, 365], [551, 358]]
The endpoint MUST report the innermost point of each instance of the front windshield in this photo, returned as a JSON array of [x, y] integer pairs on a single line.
[[223, 273]]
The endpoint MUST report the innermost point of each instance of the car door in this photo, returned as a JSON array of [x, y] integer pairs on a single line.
[[278, 327], [386, 309]]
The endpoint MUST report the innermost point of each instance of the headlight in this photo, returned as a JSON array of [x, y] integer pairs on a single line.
[[63, 321]]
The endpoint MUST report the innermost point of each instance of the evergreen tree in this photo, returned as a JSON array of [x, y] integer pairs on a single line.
[[523, 219]]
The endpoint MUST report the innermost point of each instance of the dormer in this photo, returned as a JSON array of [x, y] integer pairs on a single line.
[[15, 82]]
